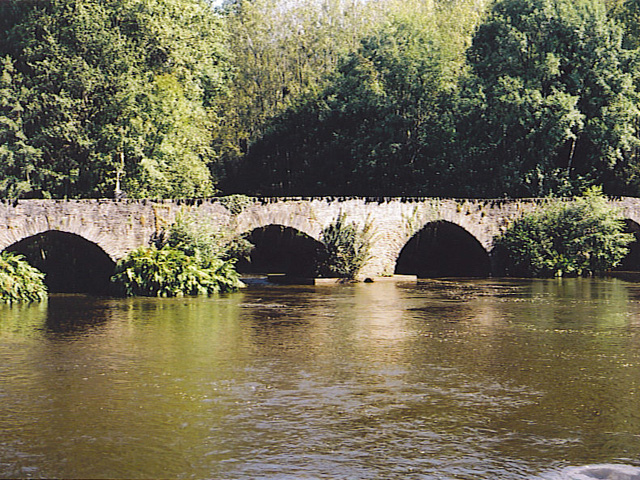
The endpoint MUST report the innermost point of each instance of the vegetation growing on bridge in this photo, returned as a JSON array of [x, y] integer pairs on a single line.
[[19, 281], [580, 237], [191, 259], [347, 248], [169, 272]]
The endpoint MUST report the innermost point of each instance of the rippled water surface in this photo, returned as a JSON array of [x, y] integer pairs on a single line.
[[489, 379]]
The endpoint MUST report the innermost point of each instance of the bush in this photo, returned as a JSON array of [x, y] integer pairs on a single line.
[[580, 237], [19, 281], [169, 272], [347, 248], [191, 258], [204, 241]]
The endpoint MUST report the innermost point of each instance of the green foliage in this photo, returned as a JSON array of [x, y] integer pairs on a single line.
[[236, 203], [192, 258], [580, 237], [173, 98], [169, 272], [543, 101], [17, 156], [347, 248], [379, 126], [93, 92], [627, 13], [207, 243], [550, 104], [19, 281], [282, 52]]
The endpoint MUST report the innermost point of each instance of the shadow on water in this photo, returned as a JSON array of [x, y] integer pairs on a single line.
[[65, 316], [76, 315]]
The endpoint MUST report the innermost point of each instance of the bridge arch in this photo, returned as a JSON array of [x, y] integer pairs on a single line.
[[70, 262], [37, 224], [632, 261], [299, 216], [443, 249], [282, 249]]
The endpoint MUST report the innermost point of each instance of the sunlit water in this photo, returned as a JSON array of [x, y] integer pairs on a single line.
[[488, 379]]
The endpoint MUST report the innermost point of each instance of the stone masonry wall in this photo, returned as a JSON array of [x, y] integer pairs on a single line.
[[119, 226]]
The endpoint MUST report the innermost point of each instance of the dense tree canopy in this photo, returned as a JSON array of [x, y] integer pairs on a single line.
[[178, 98], [378, 126], [544, 100], [282, 52], [96, 91], [551, 102]]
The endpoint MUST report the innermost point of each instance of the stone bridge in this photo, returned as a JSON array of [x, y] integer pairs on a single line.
[[119, 226]]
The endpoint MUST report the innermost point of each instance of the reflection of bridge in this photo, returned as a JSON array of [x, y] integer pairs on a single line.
[[119, 226]]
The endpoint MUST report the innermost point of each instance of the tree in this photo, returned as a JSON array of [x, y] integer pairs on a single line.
[[627, 13], [109, 91], [380, 125], [550, 103], [283, 51], [17, 156]]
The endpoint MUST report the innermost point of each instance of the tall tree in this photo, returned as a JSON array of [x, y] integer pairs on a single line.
[[551, 103], [17, 156], [627, 13], [110, 94], [380, 124], [283, 51]]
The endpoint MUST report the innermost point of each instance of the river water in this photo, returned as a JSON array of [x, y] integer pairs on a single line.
[[483, 379]]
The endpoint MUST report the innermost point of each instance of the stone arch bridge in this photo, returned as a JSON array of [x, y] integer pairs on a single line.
[[119, 226]]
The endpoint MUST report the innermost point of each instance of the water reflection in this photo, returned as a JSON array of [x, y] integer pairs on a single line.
[[19, 322], [72, 316], [492, 379], [597, 472]]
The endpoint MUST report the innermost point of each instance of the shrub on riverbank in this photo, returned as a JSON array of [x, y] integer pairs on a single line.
[[584, 236], [19, 281]]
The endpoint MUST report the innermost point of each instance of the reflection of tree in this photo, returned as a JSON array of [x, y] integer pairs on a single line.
[[21, 321]]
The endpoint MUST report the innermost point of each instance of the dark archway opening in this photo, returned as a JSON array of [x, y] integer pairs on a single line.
[[279, 249], [631, 263], [71, 264], [443, 249]]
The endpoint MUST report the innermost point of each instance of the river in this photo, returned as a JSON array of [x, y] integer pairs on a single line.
[[478, 379]]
